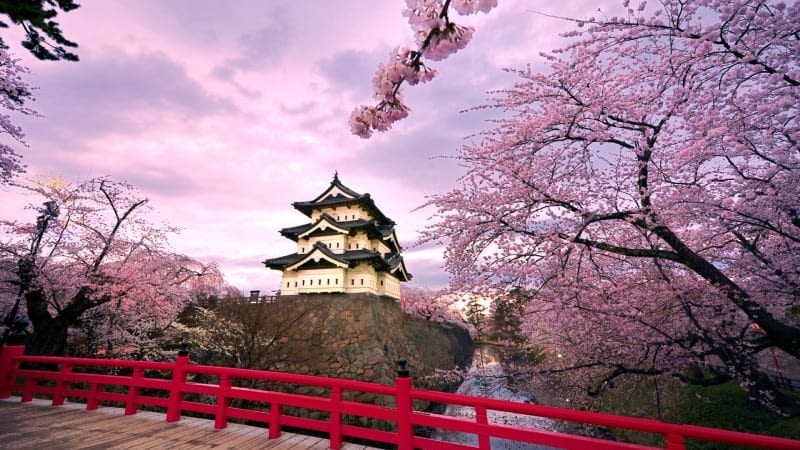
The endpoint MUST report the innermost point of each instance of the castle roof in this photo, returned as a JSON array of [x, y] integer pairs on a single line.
[[393, 262], [338, 194], [327, 224]]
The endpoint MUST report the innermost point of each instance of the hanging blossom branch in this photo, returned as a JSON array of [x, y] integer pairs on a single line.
[[14, 92], [437, 38]]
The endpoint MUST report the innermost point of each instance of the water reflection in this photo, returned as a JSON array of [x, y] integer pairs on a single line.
[[487, 378]]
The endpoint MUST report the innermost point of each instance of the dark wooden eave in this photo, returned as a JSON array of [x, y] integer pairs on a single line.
[[349, 198], [397, 267], [393, 263], [372, 230]]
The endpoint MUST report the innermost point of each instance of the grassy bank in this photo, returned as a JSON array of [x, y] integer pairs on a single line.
[[724, 406]]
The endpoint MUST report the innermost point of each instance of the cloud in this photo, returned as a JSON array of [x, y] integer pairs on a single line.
[[300, 109], [224, 115], [120, 93], [262, 48], [427, 273], [351, 71], [265, 45]]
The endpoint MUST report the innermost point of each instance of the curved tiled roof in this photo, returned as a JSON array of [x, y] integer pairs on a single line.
[[369, 226], [350, 257], [282, 261], [323, 201], [338, 184]]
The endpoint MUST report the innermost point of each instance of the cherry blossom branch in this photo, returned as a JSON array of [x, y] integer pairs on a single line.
[[13, 94], [437, 38]]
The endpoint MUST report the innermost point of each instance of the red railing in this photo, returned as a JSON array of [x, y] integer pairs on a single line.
[[63, 381]]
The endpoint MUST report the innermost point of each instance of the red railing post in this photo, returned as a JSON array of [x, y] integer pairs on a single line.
[[133, 392], [221, 418], [674, 442], [8, 368], [482, 418], [404, 407], [274, 420], [178, 381], [336, 418], [93, 402], [58, 396], [27, 390]]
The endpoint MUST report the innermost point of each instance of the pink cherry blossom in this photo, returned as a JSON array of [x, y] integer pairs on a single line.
[[92, 266], [642, 192], [14, 92], [465, 7], [447, 41], [437, 38]]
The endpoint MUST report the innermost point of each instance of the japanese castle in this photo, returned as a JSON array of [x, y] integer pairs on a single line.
[[349, 247]]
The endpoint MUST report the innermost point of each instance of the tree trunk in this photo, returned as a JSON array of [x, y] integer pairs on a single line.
[[49, 333], [48, 338]]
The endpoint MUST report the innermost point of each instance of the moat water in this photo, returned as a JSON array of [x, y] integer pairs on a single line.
[[487, 378]]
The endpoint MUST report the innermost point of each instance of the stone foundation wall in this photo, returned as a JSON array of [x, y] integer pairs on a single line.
[[360, 336]]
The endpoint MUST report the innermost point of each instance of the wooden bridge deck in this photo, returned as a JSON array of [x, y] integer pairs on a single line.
[[37, 425]]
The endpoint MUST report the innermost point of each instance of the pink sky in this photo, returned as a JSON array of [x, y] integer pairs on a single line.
[[223, 113]]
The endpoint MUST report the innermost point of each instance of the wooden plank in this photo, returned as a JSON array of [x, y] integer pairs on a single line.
[[240, 436], [292, 441], [166, 434], [38, 425], [220, 438], [109, 439], [264, 442], [119, 430], [323, 444]]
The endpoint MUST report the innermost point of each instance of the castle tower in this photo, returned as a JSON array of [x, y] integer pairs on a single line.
[[349, 247]]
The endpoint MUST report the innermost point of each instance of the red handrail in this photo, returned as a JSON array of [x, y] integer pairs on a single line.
[[15, 377]]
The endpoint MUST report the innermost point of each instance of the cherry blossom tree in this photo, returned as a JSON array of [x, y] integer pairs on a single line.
[[137, 323], [14, 92], [44, 40], [93, 263], [437, 37], [250, 335], [429, 304], [643, 190]]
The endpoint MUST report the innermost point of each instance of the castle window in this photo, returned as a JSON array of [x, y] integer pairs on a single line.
[[287, 284], [304, 282], [337, 281], [329, 245], [352, 281], [357, 244], [302, 250], [381, 282], [337, 245], [320, 282], [362, 281], [295, 284], [329, 281], [349, 246], [310, 282]]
